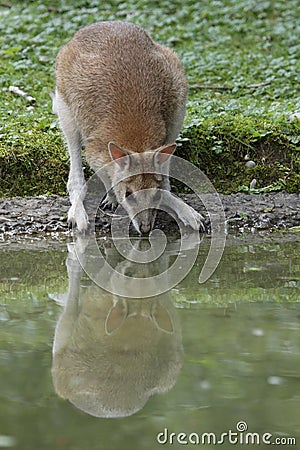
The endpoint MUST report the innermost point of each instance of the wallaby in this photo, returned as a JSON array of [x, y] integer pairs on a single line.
[[119, 93]]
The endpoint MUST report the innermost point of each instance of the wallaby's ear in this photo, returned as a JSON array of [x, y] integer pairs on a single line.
[[162, 319], [117, 153], [163, 154], [115, 317]]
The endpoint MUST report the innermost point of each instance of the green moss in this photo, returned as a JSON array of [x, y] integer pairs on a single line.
[[231, 44], [220, 147], [33, 164]]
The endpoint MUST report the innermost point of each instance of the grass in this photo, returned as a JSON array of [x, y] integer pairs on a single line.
[[225, 46]]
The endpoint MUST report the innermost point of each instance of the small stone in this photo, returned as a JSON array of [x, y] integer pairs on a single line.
[[250, 164], [294, 116], [44, 58]]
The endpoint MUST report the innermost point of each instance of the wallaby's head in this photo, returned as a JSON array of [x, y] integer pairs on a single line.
[[138, 180]]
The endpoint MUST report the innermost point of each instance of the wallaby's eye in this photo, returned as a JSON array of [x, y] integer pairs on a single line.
[[157, 196], [129, 196]]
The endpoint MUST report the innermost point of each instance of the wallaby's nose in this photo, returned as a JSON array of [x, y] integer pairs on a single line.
[[145, 228]]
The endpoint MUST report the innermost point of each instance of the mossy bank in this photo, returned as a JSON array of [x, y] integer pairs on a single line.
[[242, 62]]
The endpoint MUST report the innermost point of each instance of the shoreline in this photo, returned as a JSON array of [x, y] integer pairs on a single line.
[[244, 213]]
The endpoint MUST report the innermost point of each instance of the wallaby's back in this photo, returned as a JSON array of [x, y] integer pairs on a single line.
[[121, 86]]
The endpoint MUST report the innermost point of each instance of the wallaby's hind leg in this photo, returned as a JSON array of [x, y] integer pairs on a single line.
[[173, 129], [177, 97], [76, 182], [175, 123]]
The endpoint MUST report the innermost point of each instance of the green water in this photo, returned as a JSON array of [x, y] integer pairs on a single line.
[[212, 355]]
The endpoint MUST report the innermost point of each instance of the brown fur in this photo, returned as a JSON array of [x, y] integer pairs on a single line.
[[118, 89], [121, 86]]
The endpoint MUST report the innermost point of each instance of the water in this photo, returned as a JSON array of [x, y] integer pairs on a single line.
[[197, 359]]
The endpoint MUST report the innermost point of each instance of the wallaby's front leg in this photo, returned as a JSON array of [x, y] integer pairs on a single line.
[[77, 191], [76, 182], [185, 213]]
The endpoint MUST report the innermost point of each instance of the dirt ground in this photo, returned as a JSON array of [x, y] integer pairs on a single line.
[[243, 212]]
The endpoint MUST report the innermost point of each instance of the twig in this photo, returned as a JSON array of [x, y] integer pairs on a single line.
[[229, 88], [18, 91], [241, 142], [6, 4], [257, 85], [211, 88]]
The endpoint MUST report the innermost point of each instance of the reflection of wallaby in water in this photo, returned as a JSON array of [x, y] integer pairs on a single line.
[[110, 354]]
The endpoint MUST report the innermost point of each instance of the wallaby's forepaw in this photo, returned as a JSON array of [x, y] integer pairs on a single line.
[[77, 216], [191, 218], [109, 202]]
